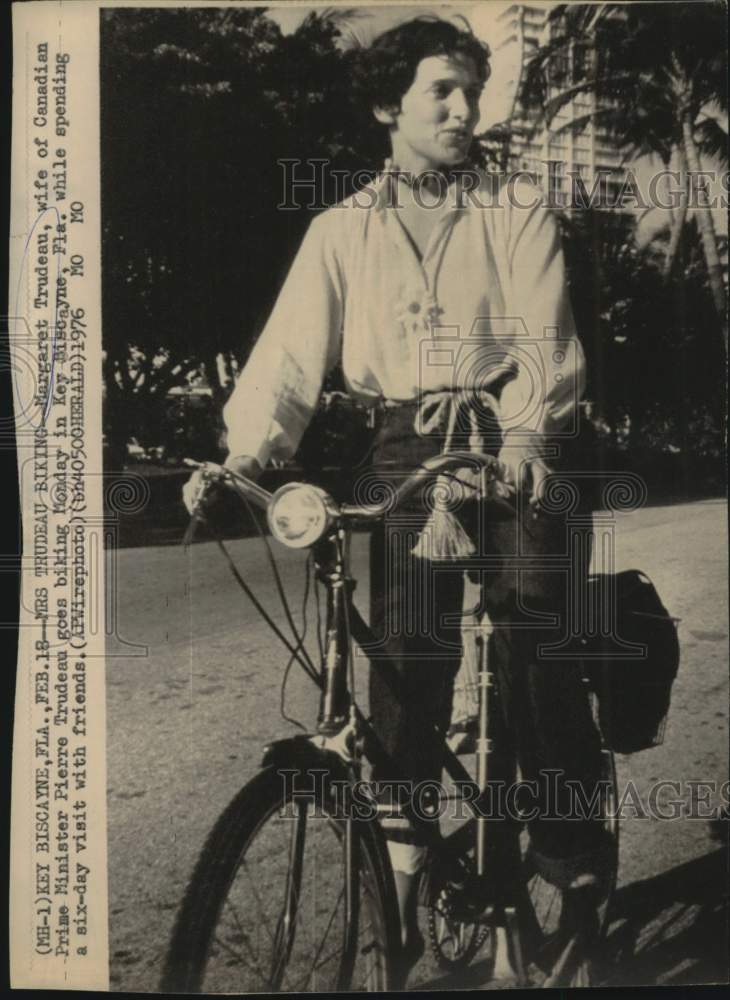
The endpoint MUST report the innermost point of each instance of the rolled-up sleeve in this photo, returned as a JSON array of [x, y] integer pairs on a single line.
[[543, 398], [278, 390]]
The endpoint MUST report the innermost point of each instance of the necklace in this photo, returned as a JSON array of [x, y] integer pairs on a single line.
[[421, 310]]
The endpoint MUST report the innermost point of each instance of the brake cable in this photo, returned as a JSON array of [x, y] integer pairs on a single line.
[[294, 650], [277, 580], [308, 570]]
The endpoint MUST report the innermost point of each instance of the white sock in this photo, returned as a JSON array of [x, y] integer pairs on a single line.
[[406, 858]]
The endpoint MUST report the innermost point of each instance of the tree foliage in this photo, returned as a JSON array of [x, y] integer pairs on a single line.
[[655, 379], [199, 109], [658, 73]]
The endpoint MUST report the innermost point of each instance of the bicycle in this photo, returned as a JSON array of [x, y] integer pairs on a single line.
[[294, 890]]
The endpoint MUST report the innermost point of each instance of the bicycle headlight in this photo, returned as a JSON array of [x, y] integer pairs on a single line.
[[299, 514]]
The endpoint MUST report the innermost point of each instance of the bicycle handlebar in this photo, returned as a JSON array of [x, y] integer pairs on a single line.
[[431, 468]]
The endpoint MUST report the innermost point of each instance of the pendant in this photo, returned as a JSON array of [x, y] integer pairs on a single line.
[[434, 312]]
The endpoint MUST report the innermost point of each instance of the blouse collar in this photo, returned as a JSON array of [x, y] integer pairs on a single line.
[[386, 191]]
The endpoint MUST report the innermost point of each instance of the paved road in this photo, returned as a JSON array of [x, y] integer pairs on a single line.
[[190, 706]]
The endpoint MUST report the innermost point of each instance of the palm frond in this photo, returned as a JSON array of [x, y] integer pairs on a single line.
[[712, 139]]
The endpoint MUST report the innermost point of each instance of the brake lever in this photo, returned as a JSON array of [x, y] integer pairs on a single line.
[[211, 473], [247, 489]]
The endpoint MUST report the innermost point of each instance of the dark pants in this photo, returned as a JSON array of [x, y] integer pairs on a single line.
[[529, 568]]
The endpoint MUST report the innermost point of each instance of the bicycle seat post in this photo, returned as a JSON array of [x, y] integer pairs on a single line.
[[484, 680]]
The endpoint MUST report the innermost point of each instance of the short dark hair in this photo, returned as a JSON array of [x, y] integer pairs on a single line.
[[385, 71]]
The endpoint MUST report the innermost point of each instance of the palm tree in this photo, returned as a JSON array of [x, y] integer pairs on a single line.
[[658, 73]]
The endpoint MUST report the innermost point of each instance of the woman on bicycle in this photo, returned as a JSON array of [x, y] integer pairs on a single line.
[[442, 292]]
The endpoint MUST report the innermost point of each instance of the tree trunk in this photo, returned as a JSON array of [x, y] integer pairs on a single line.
[[678, 222], [707, 231]]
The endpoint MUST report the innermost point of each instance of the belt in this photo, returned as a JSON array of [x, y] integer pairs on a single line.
[[440, 411], [443, 537]]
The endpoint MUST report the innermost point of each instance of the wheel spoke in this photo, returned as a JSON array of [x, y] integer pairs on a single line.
[[239, 957], [286, 924], [324, 938], [265, 910], [327, 958], [257, 897]]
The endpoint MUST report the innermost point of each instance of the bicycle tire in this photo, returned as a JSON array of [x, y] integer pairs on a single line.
[[551, 960], [213, 950]]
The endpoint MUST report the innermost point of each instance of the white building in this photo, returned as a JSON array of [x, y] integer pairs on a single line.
[[556, 154]]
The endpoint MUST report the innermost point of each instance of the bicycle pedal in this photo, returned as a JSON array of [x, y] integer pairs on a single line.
[[484, 916], [457, 904]]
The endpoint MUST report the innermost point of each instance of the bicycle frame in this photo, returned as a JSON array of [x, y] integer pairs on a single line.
[[344, 623], [344, 734], [478, 878], [341, 727]]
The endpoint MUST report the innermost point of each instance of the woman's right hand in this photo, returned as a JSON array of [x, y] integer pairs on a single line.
[[242, 465]]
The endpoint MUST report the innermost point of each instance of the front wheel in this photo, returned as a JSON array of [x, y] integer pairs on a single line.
[[287, 896]]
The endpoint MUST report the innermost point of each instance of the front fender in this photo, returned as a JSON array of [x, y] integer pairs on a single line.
[[301, 754]]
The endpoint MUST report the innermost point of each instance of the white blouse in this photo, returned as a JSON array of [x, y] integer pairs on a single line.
[[488, 298]]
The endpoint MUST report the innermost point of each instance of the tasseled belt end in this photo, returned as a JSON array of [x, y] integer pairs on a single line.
[[443, 537]]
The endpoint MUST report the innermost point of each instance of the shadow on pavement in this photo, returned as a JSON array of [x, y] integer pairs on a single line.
[[669, 930], [672, 929]]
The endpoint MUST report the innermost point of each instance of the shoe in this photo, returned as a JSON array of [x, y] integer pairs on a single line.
[[576, 871]]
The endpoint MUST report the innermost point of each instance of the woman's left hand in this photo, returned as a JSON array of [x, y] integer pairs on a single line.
[[525, 472]]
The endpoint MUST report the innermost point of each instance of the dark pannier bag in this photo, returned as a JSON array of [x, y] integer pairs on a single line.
[[632, 657]]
